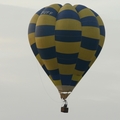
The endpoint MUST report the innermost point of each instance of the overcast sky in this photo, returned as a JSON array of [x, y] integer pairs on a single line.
[[26, 93]]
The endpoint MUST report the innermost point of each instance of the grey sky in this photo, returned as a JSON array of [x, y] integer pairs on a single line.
[[26, 93]]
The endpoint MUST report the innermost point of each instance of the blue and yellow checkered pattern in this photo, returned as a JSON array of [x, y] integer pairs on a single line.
[[66, 40]]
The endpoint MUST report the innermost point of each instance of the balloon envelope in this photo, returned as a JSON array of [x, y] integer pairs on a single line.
[[66, 40]]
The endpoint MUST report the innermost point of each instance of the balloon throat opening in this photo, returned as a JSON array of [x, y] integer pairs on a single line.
[[64, 95]]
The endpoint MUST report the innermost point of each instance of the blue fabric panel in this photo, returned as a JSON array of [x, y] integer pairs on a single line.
[[47, 53], [45, 69], [67, 56], [49, 11], [89, 21], [79, 8], [71, 33], [94, 13], [68, 14], [31, 28], [55, 77], [102, 30], [44, 30], [34, 49], [55, 74], [73, 83], [68, 38], [67, 35], [89, 43], [66, 61], [87, 68], [65, 79], [98, 51], [39, 12], [82, 65]]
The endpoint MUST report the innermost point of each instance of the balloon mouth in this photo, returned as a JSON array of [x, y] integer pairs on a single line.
[[65, 90], [64, 95]]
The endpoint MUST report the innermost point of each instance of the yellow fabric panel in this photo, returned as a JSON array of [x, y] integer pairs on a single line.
[[51, 64], [75, 5], [31, 37], [68, 7], [55, 6], [67, 47], [77, 72], [85, 13], [100, 22], [34, 18], [39, 59], [66, 69], [91, 32], [76, 77], [45, 42], [101, 42], [50, 77], [86, 54], [92, 61], [46, 20], [56, 82], [68, 24]]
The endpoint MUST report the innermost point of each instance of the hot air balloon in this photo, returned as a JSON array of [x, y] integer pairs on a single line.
[[66, 40]]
